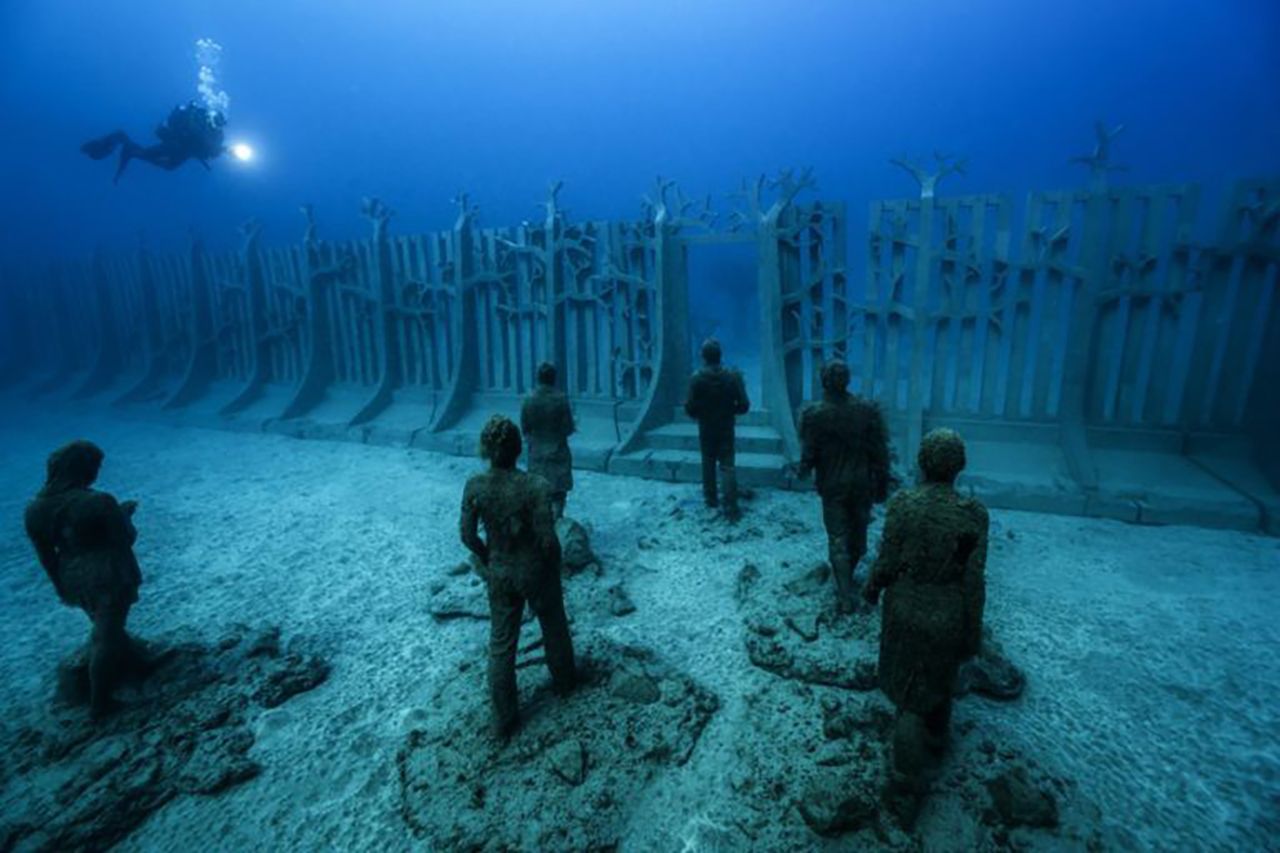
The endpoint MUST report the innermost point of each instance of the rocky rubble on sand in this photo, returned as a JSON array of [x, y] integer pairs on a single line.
[[570, 776], [794, 631], [813, 751], [186, 729], [811, 764]]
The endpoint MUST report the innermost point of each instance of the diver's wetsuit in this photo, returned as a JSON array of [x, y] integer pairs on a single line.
[[191, 132]]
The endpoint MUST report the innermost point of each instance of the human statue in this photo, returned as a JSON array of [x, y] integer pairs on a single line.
[[931, 568], [191, 132], [717, 395], [519, 559], [547, 422], [84, 540], [845, 441]]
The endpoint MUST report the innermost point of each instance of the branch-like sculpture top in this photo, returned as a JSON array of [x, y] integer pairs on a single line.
[[467, 212], [1099, 160], [666, 204], [786, 186], [309, 238], [1264, 217], [375, 211], [928, 181], [552, 204], [251, 230]]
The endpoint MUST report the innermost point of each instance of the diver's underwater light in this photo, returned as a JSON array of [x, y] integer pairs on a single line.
[[242, 152]]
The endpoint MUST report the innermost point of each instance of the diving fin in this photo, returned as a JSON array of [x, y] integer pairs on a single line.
[[101, 148]]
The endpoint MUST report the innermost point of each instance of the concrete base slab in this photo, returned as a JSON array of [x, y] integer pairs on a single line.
[[679, 466], [207, 411], [1234, 467], [1214, 484], [684, 436], [1023, 476], [330, 419], [1164, 488]]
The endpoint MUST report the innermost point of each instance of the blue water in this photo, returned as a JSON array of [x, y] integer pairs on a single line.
[[1132, 637], [413, 101]]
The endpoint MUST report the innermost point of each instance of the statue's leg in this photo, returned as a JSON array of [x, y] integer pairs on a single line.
[[706, 445], [548, 606], [907, 780], [729, 473], [108, 651], [937, 724], [835, 517], [506, 608], [859, 515]]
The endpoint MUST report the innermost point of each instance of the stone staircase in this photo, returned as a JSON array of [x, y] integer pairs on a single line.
[[670, 452]]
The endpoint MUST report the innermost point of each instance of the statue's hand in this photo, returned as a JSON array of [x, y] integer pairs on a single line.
[[129, 507]]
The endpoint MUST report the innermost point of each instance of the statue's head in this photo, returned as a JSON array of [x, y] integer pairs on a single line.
[[500, 442], [711, 352], [941, 456], [546, 373], [835, 377], [73, 466]]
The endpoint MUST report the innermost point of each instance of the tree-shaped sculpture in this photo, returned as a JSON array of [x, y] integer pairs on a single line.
[[756, 209], [1263, 214], [309, 238], [373, 209], [666, 205], [1099, 159], [944, 165], [319, 273]]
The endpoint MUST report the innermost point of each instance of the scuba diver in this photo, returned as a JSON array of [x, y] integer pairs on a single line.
[[191, 132]]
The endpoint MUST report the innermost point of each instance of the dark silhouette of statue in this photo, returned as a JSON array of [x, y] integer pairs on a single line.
[[84, 540], [931, 567], [191, 132], [716, 397], [547, 422], [845, 441], [519, 559]]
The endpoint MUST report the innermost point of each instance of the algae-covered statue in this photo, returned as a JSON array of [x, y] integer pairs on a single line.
[[846, 442], [84, 540], [547, 422], [931, 567], [519, 559], [717, 395]]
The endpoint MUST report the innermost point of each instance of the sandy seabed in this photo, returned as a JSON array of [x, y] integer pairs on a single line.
[[1152, 653]]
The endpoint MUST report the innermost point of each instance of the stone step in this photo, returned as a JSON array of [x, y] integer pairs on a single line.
[[755, 417], [682, 466], [684, 436]]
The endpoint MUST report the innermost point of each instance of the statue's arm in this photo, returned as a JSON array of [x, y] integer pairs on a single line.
[[469, 525], [975, 587], [46, 550], [691, 407], [743, 404], [567, 414]]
